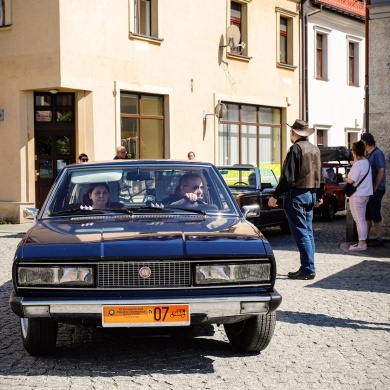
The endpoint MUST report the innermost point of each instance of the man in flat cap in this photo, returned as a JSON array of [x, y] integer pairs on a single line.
[[378, 168], [300, 183]]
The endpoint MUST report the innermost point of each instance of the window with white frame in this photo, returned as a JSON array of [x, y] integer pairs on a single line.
[[321, 135], [285, 37], [5, 13], [145, 18], [353, 51], [321, 53], [239, 17]]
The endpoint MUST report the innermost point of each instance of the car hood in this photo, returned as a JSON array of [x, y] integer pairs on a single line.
[[118, 239]]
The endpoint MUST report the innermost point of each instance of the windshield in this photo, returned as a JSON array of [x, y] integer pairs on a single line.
[[248, 178], [136, 188]]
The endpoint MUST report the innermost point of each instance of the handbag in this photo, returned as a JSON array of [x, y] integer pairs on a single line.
[[350, 189]]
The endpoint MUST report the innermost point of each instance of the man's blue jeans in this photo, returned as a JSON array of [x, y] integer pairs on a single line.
[[298, 205]]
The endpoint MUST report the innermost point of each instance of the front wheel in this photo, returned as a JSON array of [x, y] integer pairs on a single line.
[[253, 334], [39, 335]]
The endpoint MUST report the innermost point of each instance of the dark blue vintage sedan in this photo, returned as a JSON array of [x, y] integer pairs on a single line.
[[132, 243]]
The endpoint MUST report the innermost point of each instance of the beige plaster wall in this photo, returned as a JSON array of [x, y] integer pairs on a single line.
[[98, 55]]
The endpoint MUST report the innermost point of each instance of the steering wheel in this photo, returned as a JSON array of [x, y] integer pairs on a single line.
[[240, 183]]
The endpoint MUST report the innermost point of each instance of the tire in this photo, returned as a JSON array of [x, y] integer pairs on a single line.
[[329, 211], [39, 335], [253, 334], [285, 227]]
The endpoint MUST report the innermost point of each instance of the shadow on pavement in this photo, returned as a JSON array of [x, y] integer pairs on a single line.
[[368, 275], [323, 320]]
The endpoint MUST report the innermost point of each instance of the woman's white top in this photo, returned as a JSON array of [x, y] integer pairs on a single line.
[[357, 172]]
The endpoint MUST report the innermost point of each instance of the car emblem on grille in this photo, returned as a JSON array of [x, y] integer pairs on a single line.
[[145, 272]]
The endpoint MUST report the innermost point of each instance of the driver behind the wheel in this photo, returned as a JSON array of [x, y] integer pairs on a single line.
[[190, 190]]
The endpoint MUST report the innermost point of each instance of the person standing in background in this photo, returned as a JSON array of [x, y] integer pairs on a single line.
[[300, 181], [121, 153], [191, 156], [359, 175], [83, 158], [378, 169]]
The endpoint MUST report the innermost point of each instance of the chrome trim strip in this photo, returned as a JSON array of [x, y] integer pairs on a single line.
[[208, 307]]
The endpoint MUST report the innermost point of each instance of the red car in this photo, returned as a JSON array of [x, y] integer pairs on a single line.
[[335, 164]]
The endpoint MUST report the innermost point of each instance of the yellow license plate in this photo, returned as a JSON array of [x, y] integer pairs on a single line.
[[164, 315]]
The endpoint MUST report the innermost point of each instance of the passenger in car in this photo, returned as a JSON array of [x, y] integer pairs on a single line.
[[252, 179], [99, 195], [330, 173]]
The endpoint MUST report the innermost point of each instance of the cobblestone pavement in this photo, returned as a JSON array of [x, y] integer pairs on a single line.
[[332, 333]]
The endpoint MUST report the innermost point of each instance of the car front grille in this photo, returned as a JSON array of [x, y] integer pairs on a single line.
[[154, 274]]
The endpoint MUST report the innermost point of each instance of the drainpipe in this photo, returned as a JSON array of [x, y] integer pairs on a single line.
[[366, 122], [305, 82]]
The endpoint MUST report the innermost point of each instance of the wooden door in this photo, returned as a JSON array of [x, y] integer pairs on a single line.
[[54, 139]]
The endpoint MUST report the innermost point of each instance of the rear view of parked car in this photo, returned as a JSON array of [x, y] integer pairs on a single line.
[[251, 185], [335, 165], [139, 244]]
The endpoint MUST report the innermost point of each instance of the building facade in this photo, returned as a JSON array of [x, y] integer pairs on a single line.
[[87, 76], [333, 36]]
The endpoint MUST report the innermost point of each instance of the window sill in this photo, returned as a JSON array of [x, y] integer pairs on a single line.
[[286, 66], [239, 57], [139, 37], [321, 79], [6, 27]]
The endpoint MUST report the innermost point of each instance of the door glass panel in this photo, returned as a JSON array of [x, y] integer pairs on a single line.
[[64, 100], [63, 146], [64, 116], [130, 136], [151, 105], [43, 100], [129, 104], [232, 112], [45, 169], [249, 114], [151, 139], [248, 144], [43, 116], [270, 115], [61, 164], [44, 145]]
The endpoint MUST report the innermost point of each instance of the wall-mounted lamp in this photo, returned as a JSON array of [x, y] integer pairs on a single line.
[[288, 101], [219, 111], [54, 91]]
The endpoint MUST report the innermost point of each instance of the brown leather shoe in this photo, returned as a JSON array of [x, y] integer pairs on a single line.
[[302, 276]]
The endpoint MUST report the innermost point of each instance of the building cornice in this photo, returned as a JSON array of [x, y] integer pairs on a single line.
[[353, 8]]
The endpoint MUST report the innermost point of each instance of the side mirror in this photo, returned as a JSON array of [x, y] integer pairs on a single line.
[[30, 213], [251, 211]]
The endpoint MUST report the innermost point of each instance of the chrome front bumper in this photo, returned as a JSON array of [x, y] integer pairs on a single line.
[[202, 310]]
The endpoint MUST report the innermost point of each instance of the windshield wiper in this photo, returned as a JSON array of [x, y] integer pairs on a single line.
[[159, 208], [189, 210], [76, 211], [89, 211]]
